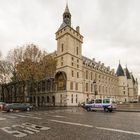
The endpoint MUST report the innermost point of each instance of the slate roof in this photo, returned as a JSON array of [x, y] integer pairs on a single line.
[[127, 73], [120, 71]]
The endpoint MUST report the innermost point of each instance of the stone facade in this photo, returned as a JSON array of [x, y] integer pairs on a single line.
[[85, 78]]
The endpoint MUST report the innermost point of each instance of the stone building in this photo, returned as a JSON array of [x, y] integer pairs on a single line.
[[78, 78], [85, 79]]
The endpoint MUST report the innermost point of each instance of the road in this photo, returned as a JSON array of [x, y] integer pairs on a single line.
[[69, 124]]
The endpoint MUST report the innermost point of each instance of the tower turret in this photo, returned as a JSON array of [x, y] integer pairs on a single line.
[[66, 18]]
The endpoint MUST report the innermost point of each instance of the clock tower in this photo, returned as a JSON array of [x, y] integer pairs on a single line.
[[69, 62]]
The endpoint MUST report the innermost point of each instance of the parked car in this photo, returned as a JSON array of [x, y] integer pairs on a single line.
[[17, 106], [2, 105], [107, 104]]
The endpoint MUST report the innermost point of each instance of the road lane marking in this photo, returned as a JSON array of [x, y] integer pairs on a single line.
[[1, 119], [118, 130], [58, 116], [11, 117], [27, 116], [78, 124]]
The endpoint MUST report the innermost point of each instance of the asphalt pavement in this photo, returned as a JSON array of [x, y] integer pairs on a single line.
[[69, 124]]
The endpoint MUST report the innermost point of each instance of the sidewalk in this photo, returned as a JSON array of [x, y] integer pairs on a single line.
[[128, 107]]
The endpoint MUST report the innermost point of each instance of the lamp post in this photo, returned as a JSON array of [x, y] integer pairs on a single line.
[[95, 88]]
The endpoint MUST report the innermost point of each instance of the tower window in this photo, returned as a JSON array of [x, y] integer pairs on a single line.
[[62, 47], [77, 51], [77, 60]]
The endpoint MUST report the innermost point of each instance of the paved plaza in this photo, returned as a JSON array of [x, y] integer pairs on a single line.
[[69, 124]]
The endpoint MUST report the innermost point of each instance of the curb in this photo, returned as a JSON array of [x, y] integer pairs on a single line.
[[119, 110]]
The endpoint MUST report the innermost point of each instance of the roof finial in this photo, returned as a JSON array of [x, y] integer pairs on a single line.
[[67, 9], [119, 61]]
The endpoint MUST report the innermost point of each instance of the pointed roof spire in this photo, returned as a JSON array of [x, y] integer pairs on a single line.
[[133, 79], [127, 73], [66, 18], [120, 71], [67, 8], [119, 61]]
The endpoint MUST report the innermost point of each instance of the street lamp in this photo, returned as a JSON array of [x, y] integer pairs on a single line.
[[95, 88]]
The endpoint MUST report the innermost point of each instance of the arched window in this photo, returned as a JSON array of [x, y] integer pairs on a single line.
[[60, 80]]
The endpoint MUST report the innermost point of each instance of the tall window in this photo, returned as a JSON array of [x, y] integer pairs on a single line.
[[72, 98], [86, 87], [76, 86], [61, 98], [72, 73], [86, 74], [91, 75], [76, 98], [77, 51], [62, 47], [77, 60], [91, 87], [77, 74], [48, 99], [99, 89], [71, 85]]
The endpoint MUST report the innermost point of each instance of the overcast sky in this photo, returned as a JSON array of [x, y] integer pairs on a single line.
[[111, 28]]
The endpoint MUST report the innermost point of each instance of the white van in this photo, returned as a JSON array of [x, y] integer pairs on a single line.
[[107, 104]]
